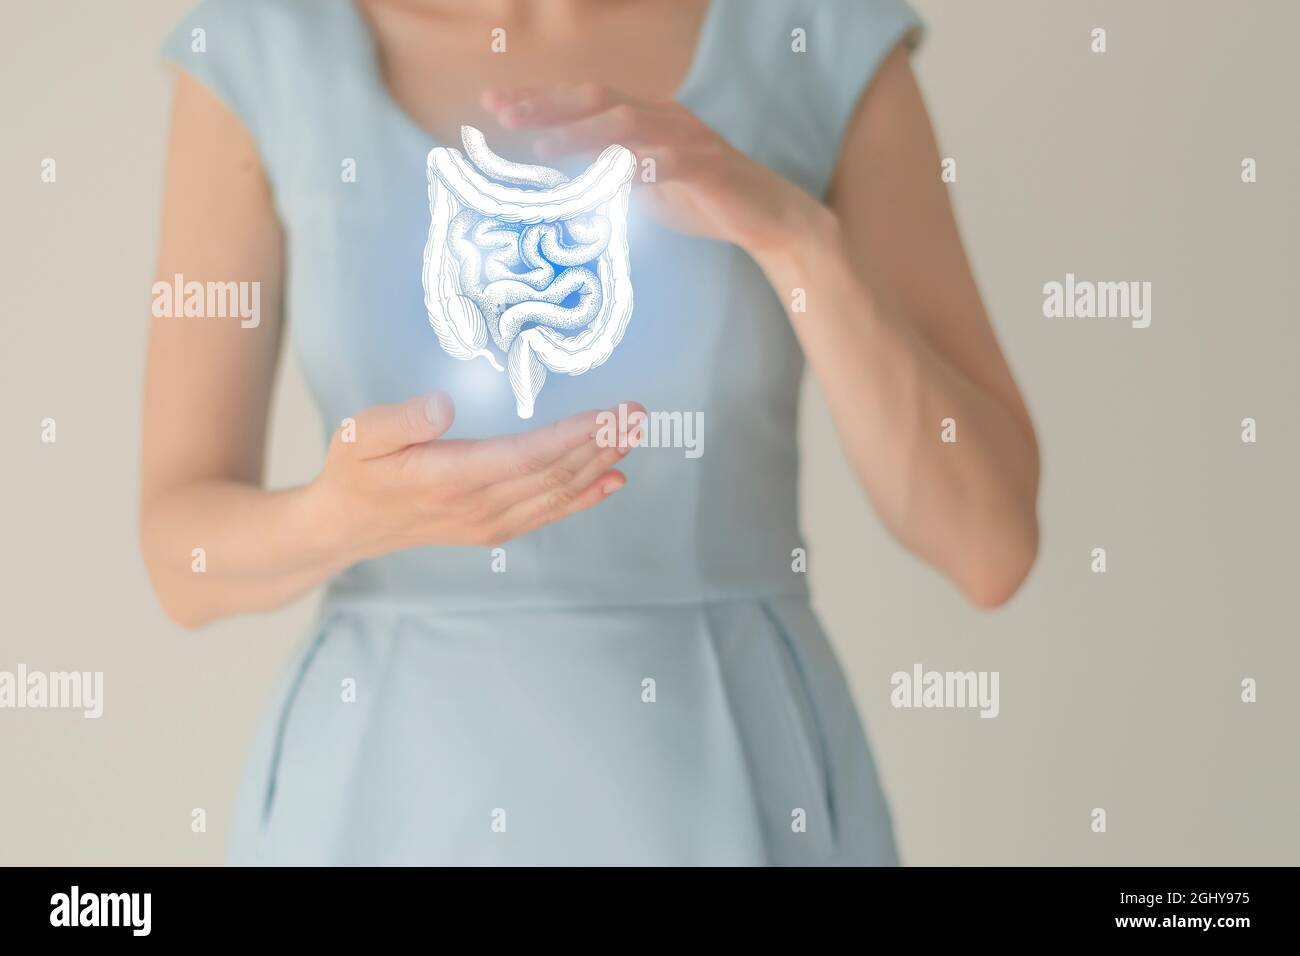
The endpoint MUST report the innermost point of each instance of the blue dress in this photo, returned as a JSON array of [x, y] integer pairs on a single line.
[[645, 682]]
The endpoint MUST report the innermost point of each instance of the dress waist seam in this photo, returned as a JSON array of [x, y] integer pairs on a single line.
[[388, 605]]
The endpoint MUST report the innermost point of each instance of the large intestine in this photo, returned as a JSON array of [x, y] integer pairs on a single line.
[[529, 260]]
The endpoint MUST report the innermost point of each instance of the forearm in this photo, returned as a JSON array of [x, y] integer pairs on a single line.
[[216, 548], [967, 506]]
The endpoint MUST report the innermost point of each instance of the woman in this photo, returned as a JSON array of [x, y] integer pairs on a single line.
[[508, 667]]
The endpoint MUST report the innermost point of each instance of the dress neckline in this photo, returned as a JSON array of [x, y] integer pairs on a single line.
[[374, 75]]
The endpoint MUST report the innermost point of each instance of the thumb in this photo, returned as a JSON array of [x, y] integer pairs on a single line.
[[384, 429]]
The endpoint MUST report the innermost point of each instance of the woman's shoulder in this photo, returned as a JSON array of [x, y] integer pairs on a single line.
[[823, 51], [819, 27], [795, 71], [259, 11], [265, 60], [249, 28]]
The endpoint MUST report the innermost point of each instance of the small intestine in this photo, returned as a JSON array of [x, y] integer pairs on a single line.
[[509, 272], [528, 259]]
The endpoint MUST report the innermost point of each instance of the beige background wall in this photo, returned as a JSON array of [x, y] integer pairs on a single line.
[[1118, 691]]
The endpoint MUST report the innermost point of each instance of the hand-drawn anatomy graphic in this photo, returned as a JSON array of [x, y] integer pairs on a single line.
[[525, 259]]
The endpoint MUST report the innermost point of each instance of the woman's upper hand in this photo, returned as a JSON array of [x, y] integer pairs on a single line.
[[701, 184], [391, 481]]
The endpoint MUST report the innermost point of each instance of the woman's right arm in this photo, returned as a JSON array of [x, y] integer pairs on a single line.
[[388, 483]]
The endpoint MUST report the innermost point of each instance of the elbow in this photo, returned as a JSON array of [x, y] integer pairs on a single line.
[[172, 601], [178, 613], [168, 591], [997, 567], [995, 576]]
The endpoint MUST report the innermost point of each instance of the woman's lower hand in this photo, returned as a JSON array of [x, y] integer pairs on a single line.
[[390, 481], [702, 184]]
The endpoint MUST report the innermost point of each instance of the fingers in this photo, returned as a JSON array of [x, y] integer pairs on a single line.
[[584, 118], [567, 475], [563, 103], [384, 429], [528, 454], [590, 496], [624, 124], [579, 480]]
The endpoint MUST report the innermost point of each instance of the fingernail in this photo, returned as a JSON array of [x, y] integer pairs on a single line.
[[433, 409], [612, 486]]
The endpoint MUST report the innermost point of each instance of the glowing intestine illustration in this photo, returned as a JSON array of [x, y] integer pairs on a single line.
[[527, 260]]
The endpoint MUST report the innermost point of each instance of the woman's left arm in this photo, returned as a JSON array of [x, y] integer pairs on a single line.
[[892, 322], [898, 337]]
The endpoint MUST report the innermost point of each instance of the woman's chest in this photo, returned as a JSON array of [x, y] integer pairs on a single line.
[[436, 68], [703, 322], [356, 203]]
